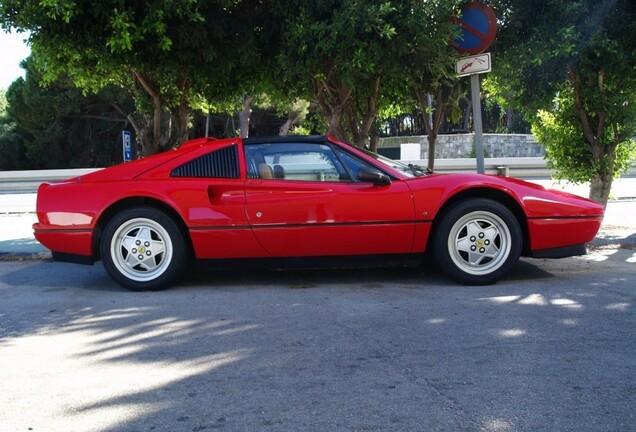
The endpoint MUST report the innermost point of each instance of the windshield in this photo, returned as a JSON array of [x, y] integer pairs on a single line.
[[410, 170]]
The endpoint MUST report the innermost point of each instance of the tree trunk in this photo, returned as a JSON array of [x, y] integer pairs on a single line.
[[244, 116], [603, 153], [284, 128], [292, 120], [374, 141], [157, 104], [433, 122], [181, 116], [600, 188], [332, 99], [467, 115], [510, 115], [362, 119]]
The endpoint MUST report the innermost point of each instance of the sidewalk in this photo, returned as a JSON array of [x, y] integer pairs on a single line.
[[17, 215]]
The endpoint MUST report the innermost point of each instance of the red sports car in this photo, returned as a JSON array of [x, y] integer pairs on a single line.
[[310, 200]]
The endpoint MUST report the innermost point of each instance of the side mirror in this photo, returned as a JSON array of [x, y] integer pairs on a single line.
[[375, 176]]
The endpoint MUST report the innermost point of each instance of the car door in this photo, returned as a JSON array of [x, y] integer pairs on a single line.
[[302, 201]]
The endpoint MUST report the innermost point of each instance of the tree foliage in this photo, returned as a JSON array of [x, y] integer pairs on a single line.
[[574, 60], [583, 52], [347, 56], [3, 103], [352, 57], [560, 129], [59, 127], [165, 52]]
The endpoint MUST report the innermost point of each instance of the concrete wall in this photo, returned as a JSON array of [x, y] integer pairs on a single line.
[[462, 145]]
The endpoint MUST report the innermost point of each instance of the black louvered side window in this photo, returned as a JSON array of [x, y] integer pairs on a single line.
[[221, 163]]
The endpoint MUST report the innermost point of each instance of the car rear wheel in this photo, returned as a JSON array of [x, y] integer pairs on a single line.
[[143, 249], [477, 242]]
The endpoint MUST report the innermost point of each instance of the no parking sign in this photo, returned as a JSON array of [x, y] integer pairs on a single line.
[[478, 28]]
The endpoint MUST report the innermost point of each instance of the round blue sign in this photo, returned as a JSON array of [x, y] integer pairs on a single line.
[[478, 29]]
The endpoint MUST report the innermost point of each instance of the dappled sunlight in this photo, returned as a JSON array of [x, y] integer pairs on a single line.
[[631, 259], [608, 282], [121, 357], [599, 255], [511, 333], [497, 425], [502, 299], [566, 303], [227, 353], [533, 300], [570, 322], [621, 307], [234, 330], [112, 315], [119, 341]]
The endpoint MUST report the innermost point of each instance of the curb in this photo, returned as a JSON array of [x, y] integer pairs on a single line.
[[26, 256], [625, 243]]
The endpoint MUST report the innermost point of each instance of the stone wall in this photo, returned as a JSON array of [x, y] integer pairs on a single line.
[[462, 145]]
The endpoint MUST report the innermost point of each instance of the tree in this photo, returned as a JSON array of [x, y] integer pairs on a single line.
[[573, 63], [11, 148], [296, 112], [166, 53], [352, 58], [59, 127], [3, 103], [560, 129], [429, 63], [332, 53]]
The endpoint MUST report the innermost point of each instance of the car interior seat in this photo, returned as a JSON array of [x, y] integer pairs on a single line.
[[265, 171], [279, 172]]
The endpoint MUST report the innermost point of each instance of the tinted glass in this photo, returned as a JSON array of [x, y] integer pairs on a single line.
[[294, 161]]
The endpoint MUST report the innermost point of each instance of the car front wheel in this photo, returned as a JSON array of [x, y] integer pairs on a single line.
[[143, 249], [477, 242]]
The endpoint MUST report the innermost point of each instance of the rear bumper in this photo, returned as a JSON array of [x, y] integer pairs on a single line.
[[66, 243]]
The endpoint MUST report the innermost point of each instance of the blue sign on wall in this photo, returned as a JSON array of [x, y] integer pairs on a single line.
[[127, 145]]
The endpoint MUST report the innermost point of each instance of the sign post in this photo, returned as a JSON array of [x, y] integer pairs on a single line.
[[127, 145], [479, 146], [478, 28]]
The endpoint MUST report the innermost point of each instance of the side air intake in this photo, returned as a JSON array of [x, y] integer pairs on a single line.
[[221, 163]]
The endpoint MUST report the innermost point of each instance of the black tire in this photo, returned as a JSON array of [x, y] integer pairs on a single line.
[[143, 249], [477, 242]]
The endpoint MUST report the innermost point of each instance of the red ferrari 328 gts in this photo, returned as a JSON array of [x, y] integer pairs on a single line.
[[285, 201]]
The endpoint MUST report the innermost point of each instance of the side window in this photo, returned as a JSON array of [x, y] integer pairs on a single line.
[[352, 163], [222, 163], [294, 161]]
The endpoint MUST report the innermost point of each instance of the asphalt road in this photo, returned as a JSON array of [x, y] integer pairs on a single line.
[[552, 348]]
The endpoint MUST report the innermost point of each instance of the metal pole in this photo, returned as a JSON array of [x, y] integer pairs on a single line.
[[476, 97]]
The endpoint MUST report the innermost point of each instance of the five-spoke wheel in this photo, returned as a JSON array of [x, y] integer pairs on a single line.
[[477, 241], [143, 249]]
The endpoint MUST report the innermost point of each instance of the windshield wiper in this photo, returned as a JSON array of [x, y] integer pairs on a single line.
[[419, 170]]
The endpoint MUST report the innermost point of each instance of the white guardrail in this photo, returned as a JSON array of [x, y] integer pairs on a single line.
[[520, 167]]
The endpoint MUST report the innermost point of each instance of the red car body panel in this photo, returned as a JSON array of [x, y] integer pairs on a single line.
[[254, 218], [292, 218]]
